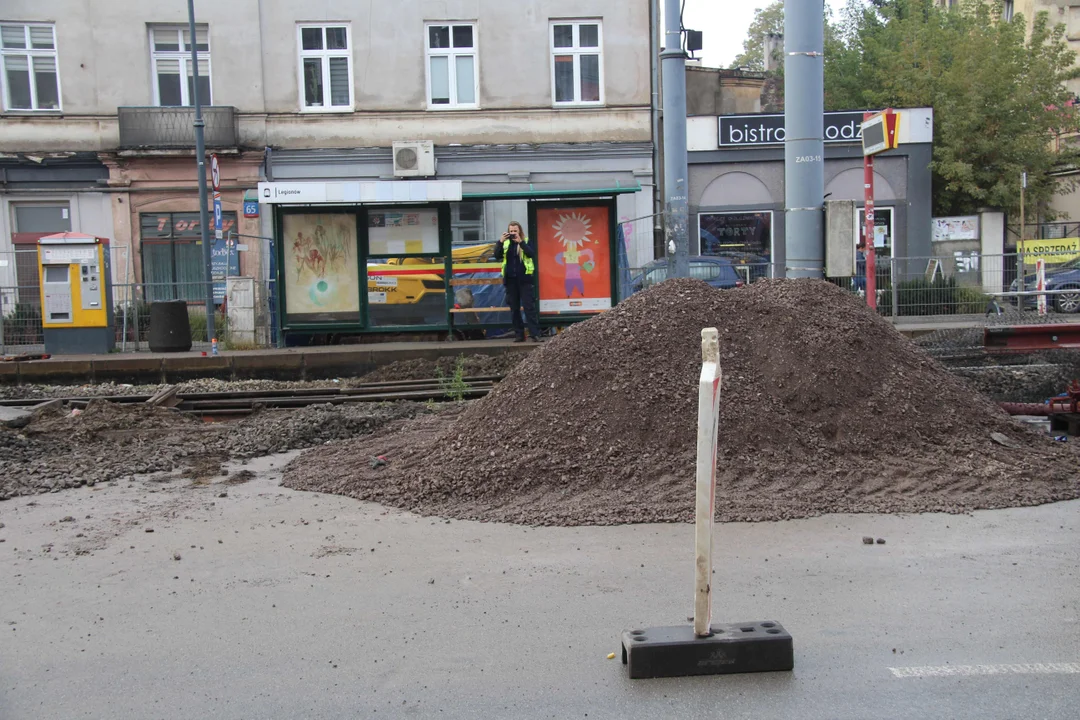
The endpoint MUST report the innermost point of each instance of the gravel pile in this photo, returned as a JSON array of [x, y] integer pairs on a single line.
[[107, 441], [826, 408]]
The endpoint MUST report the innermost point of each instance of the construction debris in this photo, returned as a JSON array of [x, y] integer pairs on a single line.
[[825, 408]]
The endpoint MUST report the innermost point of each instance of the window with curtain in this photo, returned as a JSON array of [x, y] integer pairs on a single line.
[[325, 68], [170, 58], [577, 74], [451, 65], [31, 80], [172, 258]]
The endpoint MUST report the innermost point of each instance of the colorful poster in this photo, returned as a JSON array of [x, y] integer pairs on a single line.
[[956, 228], [414, 232], [320, 270], [574, 259]]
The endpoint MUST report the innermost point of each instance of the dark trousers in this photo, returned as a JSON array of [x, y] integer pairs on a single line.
[[522, 294]]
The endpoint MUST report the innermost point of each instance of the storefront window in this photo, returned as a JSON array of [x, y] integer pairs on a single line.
[[883, 230], [172, 259], [745, 238], [467, 222]]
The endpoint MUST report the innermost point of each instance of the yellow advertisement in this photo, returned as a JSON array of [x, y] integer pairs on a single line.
[[1054, 252], [320, 269]]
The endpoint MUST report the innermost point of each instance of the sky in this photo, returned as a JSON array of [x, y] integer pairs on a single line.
[[724, 24]]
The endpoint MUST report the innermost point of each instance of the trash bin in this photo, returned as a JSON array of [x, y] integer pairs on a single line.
[[170, 327]]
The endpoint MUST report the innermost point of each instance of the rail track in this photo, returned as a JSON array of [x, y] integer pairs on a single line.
[[243, 402]]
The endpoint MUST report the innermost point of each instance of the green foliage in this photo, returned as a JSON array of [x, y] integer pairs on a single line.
[[943, 296], [999, 99], [454, 386], [769, 19]]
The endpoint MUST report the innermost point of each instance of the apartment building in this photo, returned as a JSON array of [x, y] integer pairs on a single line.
[[517, 101]]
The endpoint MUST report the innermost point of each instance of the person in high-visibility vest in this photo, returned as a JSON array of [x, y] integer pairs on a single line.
[[518, 258]]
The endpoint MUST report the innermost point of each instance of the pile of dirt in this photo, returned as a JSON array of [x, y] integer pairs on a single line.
[[59, 449], [826, 408], [422, 369]]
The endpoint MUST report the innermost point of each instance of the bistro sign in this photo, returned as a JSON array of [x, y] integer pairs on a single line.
[[758, 130]]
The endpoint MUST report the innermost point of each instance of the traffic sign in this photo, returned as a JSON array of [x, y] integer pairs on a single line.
[[215, 172], [251, 208], [217, 215], [880, 132]]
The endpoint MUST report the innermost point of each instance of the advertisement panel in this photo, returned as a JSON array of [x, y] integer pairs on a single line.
[[321, 275], [574, 259], [955, 228], [1054, 252]]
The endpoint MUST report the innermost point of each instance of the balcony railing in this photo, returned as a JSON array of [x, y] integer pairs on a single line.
[[172, 128]]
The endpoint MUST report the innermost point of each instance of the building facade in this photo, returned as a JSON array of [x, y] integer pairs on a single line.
[[526, 99]]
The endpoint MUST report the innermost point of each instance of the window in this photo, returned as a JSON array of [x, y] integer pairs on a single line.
[[31, 80], [467, 223], [577, 70], [1007, 11], [170, 56], [883, 229], [325, 68], [172, 258], [451, 66]]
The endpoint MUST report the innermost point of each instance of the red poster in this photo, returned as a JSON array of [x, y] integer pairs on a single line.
[[574, 259]]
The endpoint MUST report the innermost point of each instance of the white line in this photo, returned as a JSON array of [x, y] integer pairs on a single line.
[[970, 670]]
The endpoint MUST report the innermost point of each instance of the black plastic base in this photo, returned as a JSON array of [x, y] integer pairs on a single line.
[[738, 648]]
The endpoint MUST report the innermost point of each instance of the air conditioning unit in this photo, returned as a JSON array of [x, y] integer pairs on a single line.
[[414, 158]]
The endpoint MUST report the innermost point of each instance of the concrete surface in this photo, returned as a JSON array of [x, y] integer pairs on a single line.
[[292, 605]]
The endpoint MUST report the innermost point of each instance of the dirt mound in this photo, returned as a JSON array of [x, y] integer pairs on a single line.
[[421, 369], [102, 416], [826, 408]]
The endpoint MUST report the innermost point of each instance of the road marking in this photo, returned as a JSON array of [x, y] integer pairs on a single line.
[[970, 670]]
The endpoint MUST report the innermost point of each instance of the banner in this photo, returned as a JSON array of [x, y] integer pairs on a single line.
[[320, 269], [1054, 252], [574, 259]]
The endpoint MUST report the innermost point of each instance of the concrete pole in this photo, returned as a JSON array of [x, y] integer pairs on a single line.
[[200, 161], [676, 208], [804, 146]]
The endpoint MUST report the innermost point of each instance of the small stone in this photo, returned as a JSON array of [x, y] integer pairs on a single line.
[[431, 581], [176, 556], [149, 530], [881, 541], [868, 541], [68, 518], [224, 494]]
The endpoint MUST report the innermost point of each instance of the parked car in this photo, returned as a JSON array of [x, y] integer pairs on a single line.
[[1060, 277], [716, 271]]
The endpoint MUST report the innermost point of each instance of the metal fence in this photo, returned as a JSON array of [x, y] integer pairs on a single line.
[[243, 320]]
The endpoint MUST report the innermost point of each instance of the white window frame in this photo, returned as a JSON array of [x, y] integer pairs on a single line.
[[452, 53], [577, 51], [184, 56], [325, 54], [30, 54]]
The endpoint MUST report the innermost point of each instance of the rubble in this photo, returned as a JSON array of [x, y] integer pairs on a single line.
[[826, 408]]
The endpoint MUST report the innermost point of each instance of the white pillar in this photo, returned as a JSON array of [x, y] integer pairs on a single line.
[[708, 422]]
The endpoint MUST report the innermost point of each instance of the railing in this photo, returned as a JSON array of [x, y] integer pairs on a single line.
[[235, 328], [172, 128]]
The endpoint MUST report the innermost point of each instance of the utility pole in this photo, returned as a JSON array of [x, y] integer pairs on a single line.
[[804, 147], [676, 209], [200, 158]]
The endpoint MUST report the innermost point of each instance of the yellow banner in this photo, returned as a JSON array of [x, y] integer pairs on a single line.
[[1054, 252]]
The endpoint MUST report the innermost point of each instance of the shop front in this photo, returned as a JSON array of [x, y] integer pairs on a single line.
[[736, 165], [418, 256]]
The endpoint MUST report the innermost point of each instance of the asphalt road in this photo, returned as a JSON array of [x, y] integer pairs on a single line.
[[294, 605]]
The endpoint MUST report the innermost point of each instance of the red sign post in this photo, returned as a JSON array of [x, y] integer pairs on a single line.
[[879, 133]]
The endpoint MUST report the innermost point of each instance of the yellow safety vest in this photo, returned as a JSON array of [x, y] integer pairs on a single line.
[[530, 266]]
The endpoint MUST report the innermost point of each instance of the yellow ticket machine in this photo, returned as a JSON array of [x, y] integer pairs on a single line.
[[76, 294]]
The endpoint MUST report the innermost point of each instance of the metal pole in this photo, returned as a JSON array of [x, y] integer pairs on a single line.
[[673, 62], [804, 145], [200, 157], [654, 101], [868, 231], [1020, 244]]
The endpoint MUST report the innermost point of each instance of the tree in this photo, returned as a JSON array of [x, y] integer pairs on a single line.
[[767, 20], [999, 99]]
